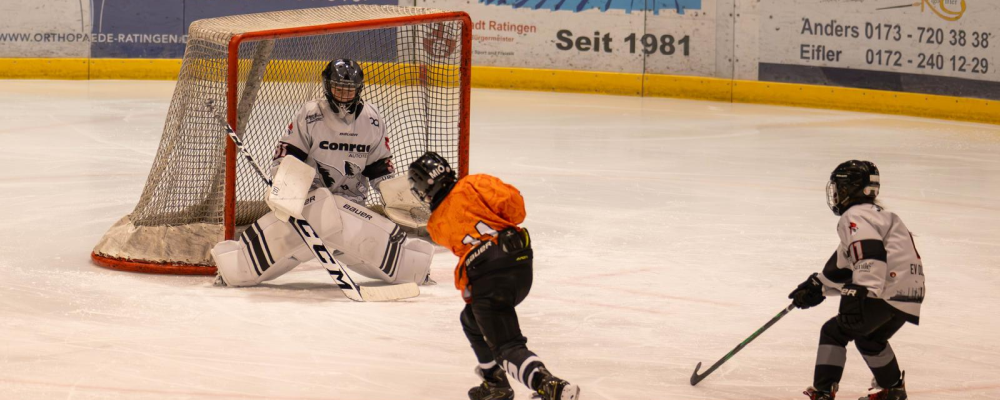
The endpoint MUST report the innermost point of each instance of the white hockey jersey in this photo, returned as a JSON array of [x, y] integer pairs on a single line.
[[349, 154], [877, 251]]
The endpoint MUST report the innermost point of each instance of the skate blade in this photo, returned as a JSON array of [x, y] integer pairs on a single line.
[[570, 392]]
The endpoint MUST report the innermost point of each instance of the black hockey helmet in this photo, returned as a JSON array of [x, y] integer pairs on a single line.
[[343, 75], [852, 182], [431, 178]]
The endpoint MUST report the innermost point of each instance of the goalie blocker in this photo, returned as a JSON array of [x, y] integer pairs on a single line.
[[365, 242]]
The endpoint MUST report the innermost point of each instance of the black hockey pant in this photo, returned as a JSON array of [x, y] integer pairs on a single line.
[[490, 322], [881, 321]]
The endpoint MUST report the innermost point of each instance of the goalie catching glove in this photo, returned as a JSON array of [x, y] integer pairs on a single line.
[[401, 206]]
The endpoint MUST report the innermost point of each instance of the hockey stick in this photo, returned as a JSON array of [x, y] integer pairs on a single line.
[[312, 240], [695, 378]]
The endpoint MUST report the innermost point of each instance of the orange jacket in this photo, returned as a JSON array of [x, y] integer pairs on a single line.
[[477, 207]]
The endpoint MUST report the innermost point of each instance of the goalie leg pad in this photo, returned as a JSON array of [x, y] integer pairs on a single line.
[[372, 245], [267, 249], [415, 262], [232, 264]]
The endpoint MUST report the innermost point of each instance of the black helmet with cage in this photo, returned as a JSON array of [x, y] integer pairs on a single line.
[[431, 178], [852, 182], [343, 80]]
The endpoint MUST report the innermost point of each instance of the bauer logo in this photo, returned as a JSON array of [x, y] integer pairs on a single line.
[[478, 252], [357, 212], [848, 292]]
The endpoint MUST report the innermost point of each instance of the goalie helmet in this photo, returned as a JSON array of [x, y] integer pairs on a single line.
[[431, 178], [343, 80], [852, 182]]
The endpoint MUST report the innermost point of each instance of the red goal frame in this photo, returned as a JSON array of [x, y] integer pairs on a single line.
[[229, 216]]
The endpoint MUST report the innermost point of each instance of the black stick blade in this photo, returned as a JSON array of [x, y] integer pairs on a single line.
[[694, 377]]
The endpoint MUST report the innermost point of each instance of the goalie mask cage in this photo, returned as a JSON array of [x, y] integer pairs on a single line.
[[263, 67]]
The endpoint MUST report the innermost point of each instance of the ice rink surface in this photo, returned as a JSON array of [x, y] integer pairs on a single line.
[[665, 232]]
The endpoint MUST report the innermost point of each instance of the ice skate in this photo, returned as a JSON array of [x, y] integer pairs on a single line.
[[494, 387], [553, 388], [819, 395], [897, 392]]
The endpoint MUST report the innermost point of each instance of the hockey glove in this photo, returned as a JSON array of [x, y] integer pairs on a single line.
[[513, 241], [852, 307], [808, 294]]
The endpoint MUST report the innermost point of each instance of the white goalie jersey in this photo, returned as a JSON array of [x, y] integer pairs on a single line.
[[877, 251], [350, 154]]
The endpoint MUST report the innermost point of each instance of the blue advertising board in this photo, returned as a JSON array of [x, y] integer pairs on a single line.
[[158, 28]]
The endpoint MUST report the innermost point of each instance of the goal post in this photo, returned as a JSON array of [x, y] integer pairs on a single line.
[[263, 67]]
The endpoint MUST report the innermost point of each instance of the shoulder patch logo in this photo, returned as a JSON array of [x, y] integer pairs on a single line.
[[314, 117], [854, 228]]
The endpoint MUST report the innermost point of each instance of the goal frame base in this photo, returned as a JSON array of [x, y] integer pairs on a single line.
[[150, 267]]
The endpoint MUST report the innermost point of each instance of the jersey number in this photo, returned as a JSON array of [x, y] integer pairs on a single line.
[[483, 229]]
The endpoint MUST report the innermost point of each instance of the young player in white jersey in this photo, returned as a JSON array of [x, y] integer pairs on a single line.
[[342, 142], [878, 274]]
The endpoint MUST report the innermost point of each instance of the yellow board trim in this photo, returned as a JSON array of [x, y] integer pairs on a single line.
[[131, 68], [867, 100], [688, 87], [44, 68], [685, 87], [557, 80]]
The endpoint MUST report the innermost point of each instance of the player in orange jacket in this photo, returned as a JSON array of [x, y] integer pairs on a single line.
[[477, 218]]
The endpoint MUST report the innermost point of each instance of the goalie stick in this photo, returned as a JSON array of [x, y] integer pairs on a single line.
[[312, 240], [695, 378]]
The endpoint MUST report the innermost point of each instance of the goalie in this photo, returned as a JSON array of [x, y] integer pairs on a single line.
[[335, 150]]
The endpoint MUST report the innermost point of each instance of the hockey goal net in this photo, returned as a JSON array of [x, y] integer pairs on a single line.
[[263, 67]]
